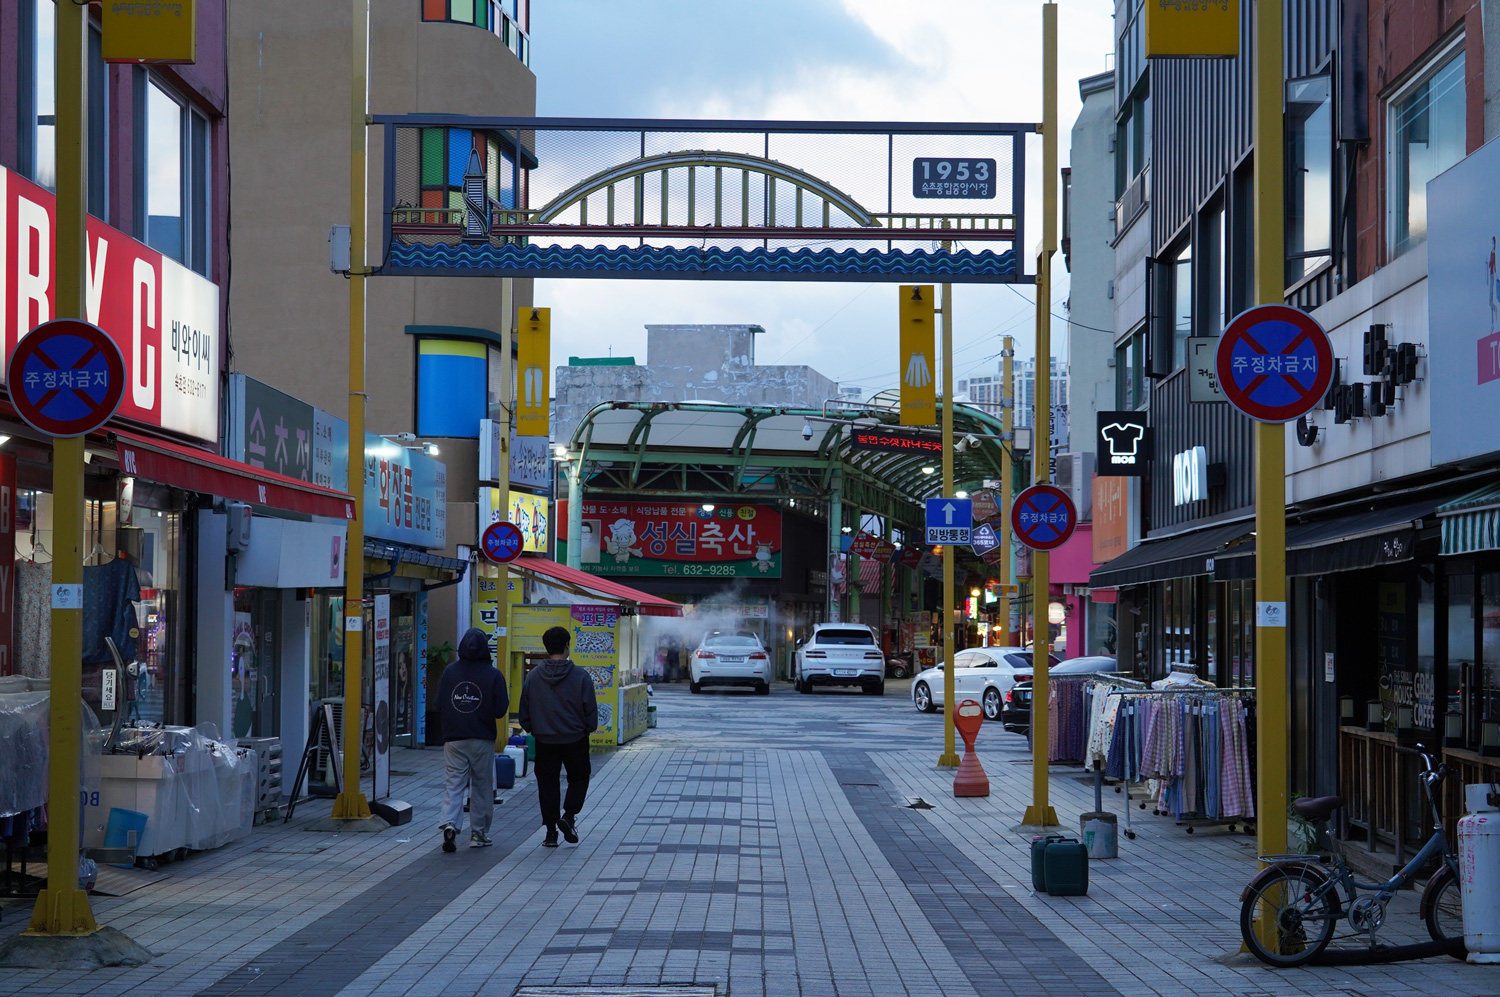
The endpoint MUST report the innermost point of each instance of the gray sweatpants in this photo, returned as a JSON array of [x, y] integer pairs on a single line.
[[471, 763]]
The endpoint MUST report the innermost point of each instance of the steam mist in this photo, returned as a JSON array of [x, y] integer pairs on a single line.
[[716, 612]]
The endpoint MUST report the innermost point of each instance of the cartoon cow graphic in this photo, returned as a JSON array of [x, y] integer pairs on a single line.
[[621, 541], [763, 558]]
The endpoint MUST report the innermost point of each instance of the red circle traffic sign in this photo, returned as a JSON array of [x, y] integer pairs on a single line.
[[1274, 363], [502, 542], [66, 377], [1043, 517]]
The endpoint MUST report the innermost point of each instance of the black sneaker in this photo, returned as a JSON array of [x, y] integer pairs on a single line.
[[570, 832], [450, 836], [550, 841]]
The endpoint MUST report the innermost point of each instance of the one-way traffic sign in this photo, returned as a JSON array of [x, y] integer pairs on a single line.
[[949, 520]]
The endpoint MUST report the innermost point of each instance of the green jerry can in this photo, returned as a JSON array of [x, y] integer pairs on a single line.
[[1065, 867], [1038, 865]]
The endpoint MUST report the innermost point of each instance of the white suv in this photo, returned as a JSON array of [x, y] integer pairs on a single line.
[[840, 654], [730, 657]]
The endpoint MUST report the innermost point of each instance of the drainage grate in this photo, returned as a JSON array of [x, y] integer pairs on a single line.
[[660, 990]]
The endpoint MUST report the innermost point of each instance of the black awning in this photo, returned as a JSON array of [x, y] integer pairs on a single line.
[[1344, 543], [1170, 557]]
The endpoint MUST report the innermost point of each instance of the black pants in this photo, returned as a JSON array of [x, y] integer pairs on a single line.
[[551, 759]]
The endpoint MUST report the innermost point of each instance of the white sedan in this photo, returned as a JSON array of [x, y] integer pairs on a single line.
[[983, 674]]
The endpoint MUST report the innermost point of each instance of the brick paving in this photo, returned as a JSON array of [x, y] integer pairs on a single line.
[[757, 846]]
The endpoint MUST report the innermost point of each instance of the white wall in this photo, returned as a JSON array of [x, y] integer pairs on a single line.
[[294, 644], [215, 610], [1364, 451], [1091, 380]]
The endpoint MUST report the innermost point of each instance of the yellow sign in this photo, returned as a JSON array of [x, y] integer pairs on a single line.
[[918, 384], [159, 32], [596, 649], [533, 361], [531, 514], [1202, 28]]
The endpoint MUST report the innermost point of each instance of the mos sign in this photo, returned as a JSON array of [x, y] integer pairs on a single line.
[[164, 317]]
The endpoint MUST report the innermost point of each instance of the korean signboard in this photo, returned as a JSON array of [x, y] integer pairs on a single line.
[[894, 441], [596, 649], [528, 512], [1122, 445], [406, 495], [1203, 28], [163, 316], [664, 539], [530, 457], [272, 430]]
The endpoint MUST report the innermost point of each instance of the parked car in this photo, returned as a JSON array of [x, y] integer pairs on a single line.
[[984, 674], [840, 654], [730, 657], [1016, 715], [899, 666]]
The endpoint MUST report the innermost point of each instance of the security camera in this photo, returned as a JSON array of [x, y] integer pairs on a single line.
[[970, 440], [807, 430]]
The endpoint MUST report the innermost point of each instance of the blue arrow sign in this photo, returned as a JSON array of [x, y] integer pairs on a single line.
[[949, 520]]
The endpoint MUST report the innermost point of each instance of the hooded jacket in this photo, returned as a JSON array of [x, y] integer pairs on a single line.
[[472, 693], [557, 702]]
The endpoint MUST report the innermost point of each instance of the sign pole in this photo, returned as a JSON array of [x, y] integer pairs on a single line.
[[502, 495], [1007, 464], [351, 804], [62, 908], [1270, 450], [949, 631], [1040, 813]]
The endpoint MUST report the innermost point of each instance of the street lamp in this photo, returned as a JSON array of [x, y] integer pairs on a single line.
[[707, 507]]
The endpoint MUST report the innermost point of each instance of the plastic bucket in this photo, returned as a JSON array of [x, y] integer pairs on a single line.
[[125, 829], [651, 716], [1101, 835]]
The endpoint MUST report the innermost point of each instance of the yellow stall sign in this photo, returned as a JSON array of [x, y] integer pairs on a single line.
[[533, 362], [159, 32], [1192, 28], [917, 342]]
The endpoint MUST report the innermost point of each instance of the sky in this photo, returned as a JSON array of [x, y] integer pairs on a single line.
[[824, 60]]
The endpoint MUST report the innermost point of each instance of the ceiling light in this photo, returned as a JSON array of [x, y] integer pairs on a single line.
[[845, 529], [708, 507], [928, 470], [431, 449], [960, 494]]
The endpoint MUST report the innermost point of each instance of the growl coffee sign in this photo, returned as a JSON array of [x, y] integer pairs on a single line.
[[164, 317]]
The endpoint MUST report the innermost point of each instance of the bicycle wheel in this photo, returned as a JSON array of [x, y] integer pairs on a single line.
[[1442, 906], [1299, 909]]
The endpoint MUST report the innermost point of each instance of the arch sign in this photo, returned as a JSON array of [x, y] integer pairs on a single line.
[[1274, 363]]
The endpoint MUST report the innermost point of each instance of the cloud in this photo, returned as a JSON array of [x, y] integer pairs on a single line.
[[954, 60]]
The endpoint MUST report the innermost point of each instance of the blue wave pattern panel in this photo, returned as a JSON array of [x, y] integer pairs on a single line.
[[961, 264]]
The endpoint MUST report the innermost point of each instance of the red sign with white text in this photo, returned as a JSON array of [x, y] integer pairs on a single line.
[[677, 539], [163, 316]]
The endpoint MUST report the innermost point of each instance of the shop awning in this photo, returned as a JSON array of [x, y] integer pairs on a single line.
[[1351, 542], [196, 470], [1179, 556], [1471, 522], [595, 587], [408, 556]]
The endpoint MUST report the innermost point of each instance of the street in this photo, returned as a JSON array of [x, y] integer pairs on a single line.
[[749, 844]]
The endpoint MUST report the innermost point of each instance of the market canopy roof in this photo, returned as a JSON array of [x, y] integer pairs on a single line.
[[756, 451], [595, 587]]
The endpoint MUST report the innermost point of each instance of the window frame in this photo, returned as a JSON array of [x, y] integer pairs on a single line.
[[28, 121], [1305, 261], [1449, 52], [195, 174]]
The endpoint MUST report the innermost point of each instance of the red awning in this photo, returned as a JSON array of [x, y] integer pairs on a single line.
[[196, 470], [603, 588]]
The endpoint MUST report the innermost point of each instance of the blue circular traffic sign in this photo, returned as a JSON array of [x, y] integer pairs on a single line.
[[1274, 363], [66, 377], [1043, 517], [502, 542]]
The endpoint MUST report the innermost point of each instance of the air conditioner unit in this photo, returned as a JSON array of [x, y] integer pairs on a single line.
[[268, 770], [1075, 475]]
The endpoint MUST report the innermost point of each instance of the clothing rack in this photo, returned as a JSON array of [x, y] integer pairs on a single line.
[[1205, 781]]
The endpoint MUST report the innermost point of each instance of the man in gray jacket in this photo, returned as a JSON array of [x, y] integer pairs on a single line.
[[471, 697], [558, 708]]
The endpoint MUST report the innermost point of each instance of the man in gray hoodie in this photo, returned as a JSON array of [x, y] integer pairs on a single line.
[[558, 708], [471, 697]]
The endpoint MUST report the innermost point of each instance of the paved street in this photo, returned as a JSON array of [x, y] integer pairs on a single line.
[[759, 846]]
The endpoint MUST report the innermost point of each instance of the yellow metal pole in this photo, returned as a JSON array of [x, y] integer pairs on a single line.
[[950, 757], [62, 908], [502, 486], [1007, 461], [1270, 450], [1040, 812], [351, 803]]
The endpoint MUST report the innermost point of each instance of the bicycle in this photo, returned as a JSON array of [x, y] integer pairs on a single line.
[[1304, 899]]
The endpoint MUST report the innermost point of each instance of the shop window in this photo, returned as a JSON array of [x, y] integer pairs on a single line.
[[1213, 272], [1426, 133], [173, 156], [452, 387], [38, 105], [1462, 663], [1239, 634], [255, 666], [508, 19], [1309, 176], [1132, 140], [1484, 701]]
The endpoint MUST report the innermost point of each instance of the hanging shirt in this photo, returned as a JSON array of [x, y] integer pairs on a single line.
[[110, 592], [33, 623]]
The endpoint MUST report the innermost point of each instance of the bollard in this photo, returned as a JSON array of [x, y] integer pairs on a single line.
[[970, 780]]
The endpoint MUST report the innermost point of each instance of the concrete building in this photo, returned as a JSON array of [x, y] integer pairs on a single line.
[[713, 363], [1023, 390]]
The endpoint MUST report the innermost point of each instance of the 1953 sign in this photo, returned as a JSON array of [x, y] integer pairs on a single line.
[[971, 178]]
